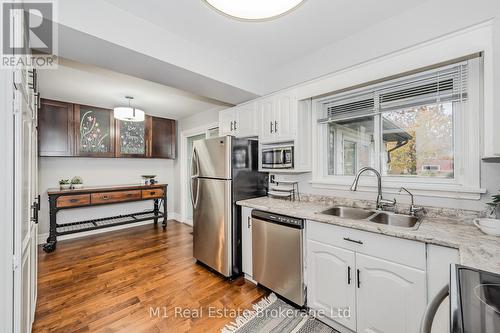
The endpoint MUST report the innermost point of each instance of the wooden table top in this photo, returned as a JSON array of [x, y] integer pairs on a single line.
[[90, 189]]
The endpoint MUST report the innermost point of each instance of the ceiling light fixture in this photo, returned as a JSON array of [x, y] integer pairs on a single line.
[[254, 10], [128, 113]]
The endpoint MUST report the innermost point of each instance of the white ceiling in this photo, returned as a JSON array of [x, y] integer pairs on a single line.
[[265, 45], [91, 85]]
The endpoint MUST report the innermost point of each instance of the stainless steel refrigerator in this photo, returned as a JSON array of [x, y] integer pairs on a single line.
[[223, 171]]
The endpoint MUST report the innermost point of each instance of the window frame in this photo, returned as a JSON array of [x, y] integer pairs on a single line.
[[467, 142]]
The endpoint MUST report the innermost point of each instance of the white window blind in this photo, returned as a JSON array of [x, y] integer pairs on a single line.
[[448, 83]]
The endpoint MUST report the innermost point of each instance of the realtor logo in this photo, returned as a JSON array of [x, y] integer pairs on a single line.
[[28, 34]]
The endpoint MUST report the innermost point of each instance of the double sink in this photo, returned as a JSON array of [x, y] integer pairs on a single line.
[[375, 216]]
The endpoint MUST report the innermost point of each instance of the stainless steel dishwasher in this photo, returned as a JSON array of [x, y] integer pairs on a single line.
[[277, 254]]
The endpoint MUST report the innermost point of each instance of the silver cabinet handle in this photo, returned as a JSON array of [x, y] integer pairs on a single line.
[[275, 126], [249, 222], [231, 126], [271, 127], [347, 239], [235, 125]]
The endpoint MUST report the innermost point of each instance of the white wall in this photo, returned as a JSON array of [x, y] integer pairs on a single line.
[[430, 20], [101, 171]]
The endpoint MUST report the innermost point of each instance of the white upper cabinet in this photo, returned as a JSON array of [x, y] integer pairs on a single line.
[[240, 121], [226, 121], [267, 116], [278, 117], [246, 120]]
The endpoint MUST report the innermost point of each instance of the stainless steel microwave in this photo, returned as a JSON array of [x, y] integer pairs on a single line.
[[277, 157]]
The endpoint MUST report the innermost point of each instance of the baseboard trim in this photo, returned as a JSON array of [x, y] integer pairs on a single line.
[[180, 218]]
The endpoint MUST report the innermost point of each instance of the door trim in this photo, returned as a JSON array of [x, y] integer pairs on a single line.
[[6, 200], [184, 176]]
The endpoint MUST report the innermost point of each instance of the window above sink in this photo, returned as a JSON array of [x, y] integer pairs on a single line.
[[416, 129]]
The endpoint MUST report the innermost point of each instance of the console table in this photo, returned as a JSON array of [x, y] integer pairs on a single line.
[[103, 195]]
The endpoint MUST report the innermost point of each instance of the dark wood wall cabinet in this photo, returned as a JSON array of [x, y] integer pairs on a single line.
[[68, 129]]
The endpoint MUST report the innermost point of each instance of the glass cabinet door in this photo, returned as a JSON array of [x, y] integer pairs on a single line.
[[132, 138], [94, 132]]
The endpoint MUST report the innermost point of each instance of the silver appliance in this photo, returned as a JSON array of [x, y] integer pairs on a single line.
[[277, 254], [277, 157], [474, 302], [223, 171]]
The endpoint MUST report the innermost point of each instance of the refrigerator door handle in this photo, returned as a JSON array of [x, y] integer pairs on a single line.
[[194, 177], [194, 200]]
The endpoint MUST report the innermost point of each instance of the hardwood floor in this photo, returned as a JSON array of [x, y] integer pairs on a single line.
[[135, 280]]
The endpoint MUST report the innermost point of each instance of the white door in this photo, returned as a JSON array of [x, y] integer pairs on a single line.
[[267, 119], [35, 197], [226, 122], [25, 232], [246, 241], [331, 282], [391, 298]]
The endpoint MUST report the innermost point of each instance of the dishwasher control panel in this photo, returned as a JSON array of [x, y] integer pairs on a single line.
[[277, 218]]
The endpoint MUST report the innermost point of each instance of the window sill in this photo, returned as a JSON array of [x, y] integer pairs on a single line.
[[440, 190]]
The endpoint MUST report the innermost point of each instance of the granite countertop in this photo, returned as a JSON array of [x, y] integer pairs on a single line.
[[476, 249]]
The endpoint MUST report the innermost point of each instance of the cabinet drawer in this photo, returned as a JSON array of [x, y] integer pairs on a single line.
[[108, 197], [152, 193], [398, 250], [73, 200]]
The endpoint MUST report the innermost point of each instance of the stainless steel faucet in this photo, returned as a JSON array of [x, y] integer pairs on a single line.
[[381, 202], [413, 209]]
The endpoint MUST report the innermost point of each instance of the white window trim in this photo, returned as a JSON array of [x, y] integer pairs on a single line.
[[465, 185]]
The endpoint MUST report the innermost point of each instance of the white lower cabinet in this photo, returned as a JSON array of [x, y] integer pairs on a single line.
[[331, 288], [390, 297], [246, 241], [354, 269]]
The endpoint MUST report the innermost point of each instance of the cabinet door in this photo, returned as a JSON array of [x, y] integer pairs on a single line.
[[331, 282], [391, 298], [267, 119], [55, 129], [285, 117], [163, 138], [246, 240], [94, 131], [226, 122], [244, 121], [132, 138]]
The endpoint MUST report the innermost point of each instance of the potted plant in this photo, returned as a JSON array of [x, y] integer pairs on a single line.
[[76, 182], [495, 205], [64, 184]]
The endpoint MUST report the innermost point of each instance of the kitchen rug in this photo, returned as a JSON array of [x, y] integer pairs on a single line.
[[271, 314]]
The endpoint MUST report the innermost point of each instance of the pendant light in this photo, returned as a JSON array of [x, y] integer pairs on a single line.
[[254, 10], [128, 113]]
